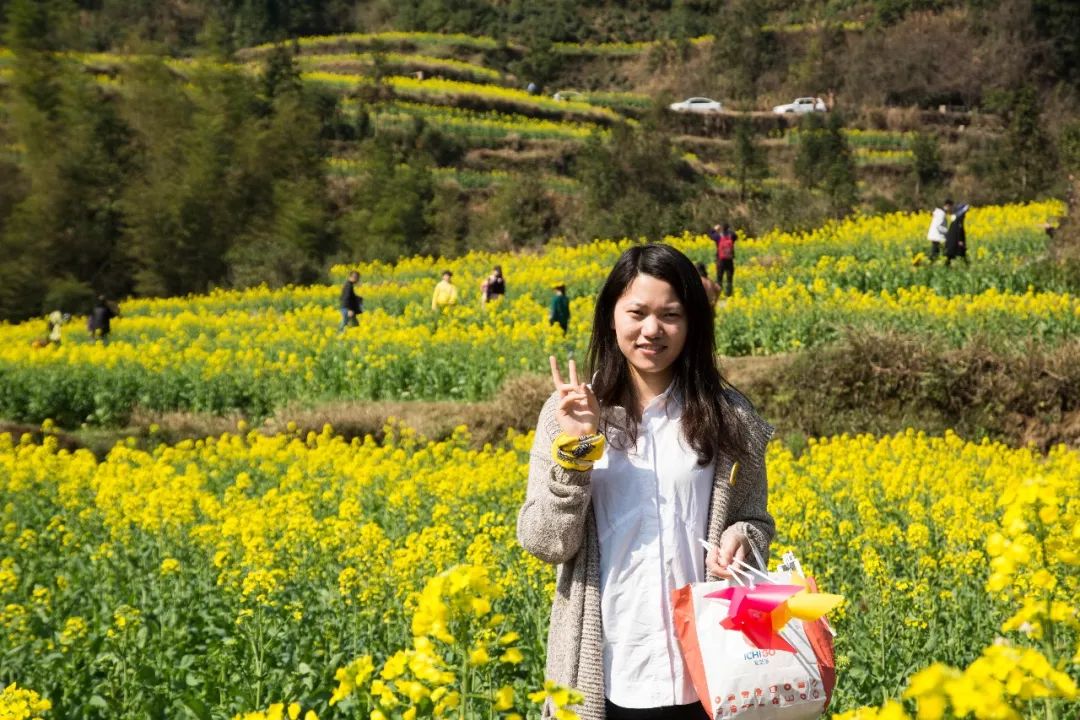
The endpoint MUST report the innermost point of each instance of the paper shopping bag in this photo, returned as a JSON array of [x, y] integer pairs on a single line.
[[736, 680]]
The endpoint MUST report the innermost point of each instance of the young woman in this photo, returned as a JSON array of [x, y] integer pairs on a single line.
[[627, 474]]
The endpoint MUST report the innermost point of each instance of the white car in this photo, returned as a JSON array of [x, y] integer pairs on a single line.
[[570, 96], [801, 105], [697, 105]]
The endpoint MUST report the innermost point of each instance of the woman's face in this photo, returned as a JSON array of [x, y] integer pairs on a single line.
[[650, 325]]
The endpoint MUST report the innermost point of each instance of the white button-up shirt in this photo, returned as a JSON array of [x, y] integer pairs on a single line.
[[651, 504]]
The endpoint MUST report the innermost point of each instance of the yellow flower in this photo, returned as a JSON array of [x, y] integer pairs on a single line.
[[395, 666], [22, 704], [892, 710], [481, 606], [931, 707], [75, 629], [350, 677], [512, 656], [504, 698]]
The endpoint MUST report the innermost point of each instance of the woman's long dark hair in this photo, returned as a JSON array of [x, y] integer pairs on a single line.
[[709, 421]]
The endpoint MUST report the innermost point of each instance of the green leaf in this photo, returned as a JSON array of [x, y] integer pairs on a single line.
[[200, 709]]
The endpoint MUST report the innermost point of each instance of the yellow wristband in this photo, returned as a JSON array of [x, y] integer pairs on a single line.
[[577, 453]]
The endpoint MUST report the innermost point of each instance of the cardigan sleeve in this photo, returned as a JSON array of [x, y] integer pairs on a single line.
[[749, 515], [551, 523]]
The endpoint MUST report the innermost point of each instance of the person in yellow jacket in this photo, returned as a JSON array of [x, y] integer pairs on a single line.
[[445, 293]]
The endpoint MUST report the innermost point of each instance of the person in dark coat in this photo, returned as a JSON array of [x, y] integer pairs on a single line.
[[559, 311], [495, 285], [956, 237], [351, 303], [100, 321]]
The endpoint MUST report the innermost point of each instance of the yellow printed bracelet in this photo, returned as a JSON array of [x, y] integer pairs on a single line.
[[577, 452]]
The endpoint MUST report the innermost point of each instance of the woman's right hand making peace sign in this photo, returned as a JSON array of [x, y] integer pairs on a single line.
[[578, 412]]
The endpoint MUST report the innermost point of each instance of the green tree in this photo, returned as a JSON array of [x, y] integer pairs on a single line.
[[36, 32], [228, 186], [743, 49], [822, 64], [839, 182], [1028, 164], [890, 12], [1056, 22], [466, 16], [1069, 147], [1021, 163], [62, 224], [751, 165], [633, 184], [185, 204], [811, 152], [389, 215], [520, 213], [449, 218], [287, 242], [280, 73], [926, 168]]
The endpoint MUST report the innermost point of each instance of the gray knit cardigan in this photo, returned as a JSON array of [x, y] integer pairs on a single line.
[[556, 524]]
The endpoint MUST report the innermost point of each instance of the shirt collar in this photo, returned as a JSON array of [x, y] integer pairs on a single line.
[[666, 404]]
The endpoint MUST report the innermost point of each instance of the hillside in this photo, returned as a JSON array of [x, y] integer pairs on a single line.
[[178, 160]]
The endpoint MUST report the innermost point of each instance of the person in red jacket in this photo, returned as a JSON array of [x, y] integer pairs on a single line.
[[725, 239]]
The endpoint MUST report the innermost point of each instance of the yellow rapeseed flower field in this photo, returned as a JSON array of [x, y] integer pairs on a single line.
[[310, 576], [260, 576], [256, 349]]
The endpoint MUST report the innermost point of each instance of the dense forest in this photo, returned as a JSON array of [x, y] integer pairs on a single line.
[[151, 178]]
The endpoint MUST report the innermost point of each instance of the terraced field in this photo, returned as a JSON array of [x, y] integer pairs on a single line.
[[258, 349]]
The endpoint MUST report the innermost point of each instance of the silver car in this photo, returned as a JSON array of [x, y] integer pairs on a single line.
[[697, 105], [801, 105]]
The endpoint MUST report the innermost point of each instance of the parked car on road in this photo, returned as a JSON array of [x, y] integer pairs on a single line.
[[801, 105], [697, 105]]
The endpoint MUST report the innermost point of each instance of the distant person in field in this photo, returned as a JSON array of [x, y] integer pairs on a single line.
[[494, 286], [712, 290], [956, 237], [939, 227], [446, 293], [100, 321], [351, 303], [725, 239], [53, 323], [56, 320], [559, 311]]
